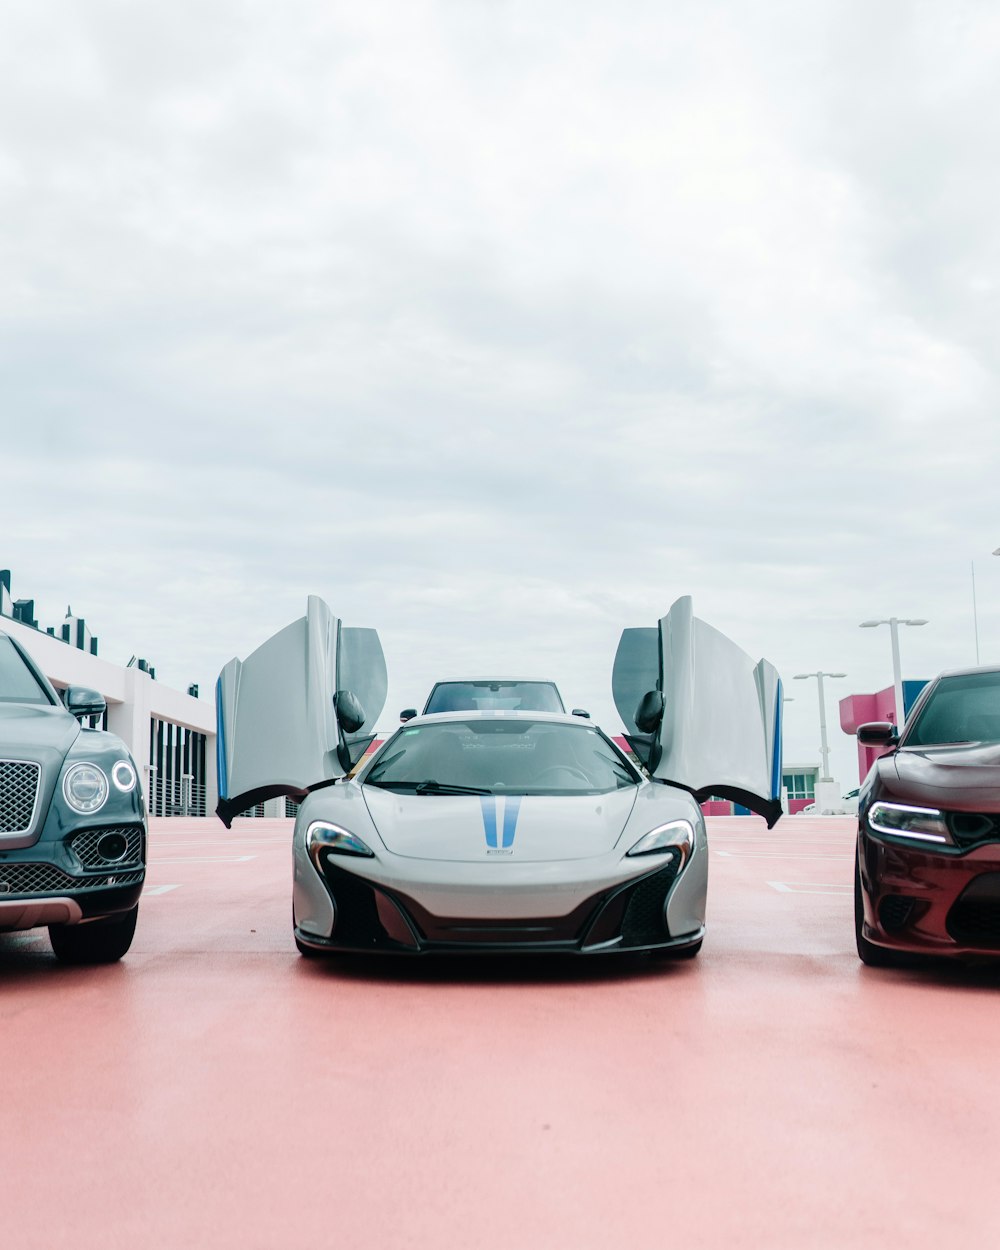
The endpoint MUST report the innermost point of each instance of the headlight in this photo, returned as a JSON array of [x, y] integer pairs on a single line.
[[677, 835], [123, 775], [322, 836], [85, 788], [926, 824]]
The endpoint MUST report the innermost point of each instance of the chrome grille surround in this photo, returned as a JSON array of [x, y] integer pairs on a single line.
[[19, 787], [48, 879]]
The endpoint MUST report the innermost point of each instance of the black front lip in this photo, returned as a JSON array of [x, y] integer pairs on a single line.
[[423, 947]]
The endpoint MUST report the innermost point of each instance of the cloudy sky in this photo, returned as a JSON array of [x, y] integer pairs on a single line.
[[501, 325]]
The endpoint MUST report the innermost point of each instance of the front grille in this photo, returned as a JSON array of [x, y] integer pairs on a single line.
[[974, 919], [18, 793], [644, 923], [47, 879], [85, 846], [970, 828], [895, 912]]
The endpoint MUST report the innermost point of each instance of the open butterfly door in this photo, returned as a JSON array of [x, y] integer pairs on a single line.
[[298, 712], [699, 712]]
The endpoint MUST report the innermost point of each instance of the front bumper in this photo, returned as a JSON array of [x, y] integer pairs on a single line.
[[67, 881], [629, 917], [930, 902]]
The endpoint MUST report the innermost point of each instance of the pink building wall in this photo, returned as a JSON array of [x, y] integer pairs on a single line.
[[859, 709]]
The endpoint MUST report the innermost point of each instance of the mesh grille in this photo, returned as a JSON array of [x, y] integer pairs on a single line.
[[47, 879], [84, 846], [895, 911], [18, 790], [975, 923], [644, 923]]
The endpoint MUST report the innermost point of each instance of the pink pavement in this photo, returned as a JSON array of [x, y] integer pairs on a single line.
[[216, 1090]]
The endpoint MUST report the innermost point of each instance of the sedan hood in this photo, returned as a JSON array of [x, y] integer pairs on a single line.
[[967, 774], [476, 827], [43, 734]]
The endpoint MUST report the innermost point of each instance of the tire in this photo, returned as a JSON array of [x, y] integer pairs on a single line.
[[99, 942]]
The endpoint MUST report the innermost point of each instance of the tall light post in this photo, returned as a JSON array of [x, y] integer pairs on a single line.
[[975, 614], [823, 745], [894, 623]]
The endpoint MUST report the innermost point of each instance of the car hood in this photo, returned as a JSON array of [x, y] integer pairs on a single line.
[[966, 775], [43, 734], [476, 827]]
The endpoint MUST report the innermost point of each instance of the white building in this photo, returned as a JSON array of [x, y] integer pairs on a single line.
[[171, 735]]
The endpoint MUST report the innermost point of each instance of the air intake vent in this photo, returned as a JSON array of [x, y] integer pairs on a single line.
[[895, 912]]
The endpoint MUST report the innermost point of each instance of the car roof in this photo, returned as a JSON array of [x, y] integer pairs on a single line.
[[967, 672], [437, 718], [468, 681]]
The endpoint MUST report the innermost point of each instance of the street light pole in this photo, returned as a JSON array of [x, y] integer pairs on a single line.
[[894, 623], [823, 745]]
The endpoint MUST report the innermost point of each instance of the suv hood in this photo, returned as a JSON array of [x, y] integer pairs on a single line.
[[474, 827], [43, 734]]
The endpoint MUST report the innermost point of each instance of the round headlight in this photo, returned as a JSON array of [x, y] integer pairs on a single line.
[[123, 775], [85, 788]]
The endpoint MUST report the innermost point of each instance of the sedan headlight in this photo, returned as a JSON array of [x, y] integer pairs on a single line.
[[85, 788], [677, 835], [925, 824], [322, 836], [123, 775]]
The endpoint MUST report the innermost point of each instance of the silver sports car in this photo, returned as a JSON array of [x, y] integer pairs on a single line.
[[499, 830]]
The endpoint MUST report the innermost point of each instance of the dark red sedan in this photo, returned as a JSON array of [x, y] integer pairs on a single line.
[[927, 877]]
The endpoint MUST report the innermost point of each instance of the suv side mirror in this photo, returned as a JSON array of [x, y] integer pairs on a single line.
[[350, 713], [406, 714], [878, 733], [82, 701], [579, 711]]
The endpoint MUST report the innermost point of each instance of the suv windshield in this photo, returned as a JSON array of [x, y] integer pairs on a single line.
[[494, 756], [494, 696], [17, 681], [963, 708]]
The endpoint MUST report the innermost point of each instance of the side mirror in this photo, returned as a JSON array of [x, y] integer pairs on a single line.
[[579, 711], [878, 733], [82, 701], [649, 713], [406, 714], [350, 713]]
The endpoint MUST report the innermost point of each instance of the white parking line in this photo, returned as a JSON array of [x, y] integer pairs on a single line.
[[204, 859], [811, 887], [778, 855], [160, 889]]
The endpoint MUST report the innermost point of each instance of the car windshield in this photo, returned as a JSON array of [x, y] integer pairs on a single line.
[[494, 696], [964, 708], [17, 682], [499, 756]]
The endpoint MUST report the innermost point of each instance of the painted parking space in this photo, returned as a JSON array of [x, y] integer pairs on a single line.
[[771, 1092]]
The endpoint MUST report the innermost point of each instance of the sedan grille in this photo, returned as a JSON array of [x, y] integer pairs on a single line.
[[18, 794], [974, 919], [47, 879]]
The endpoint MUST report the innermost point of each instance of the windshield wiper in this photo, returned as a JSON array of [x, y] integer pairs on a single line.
[[444, 787], [426, 787]]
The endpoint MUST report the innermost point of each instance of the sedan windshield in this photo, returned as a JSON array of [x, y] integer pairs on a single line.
[[499, 756], [964, 708], [17, 681]]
